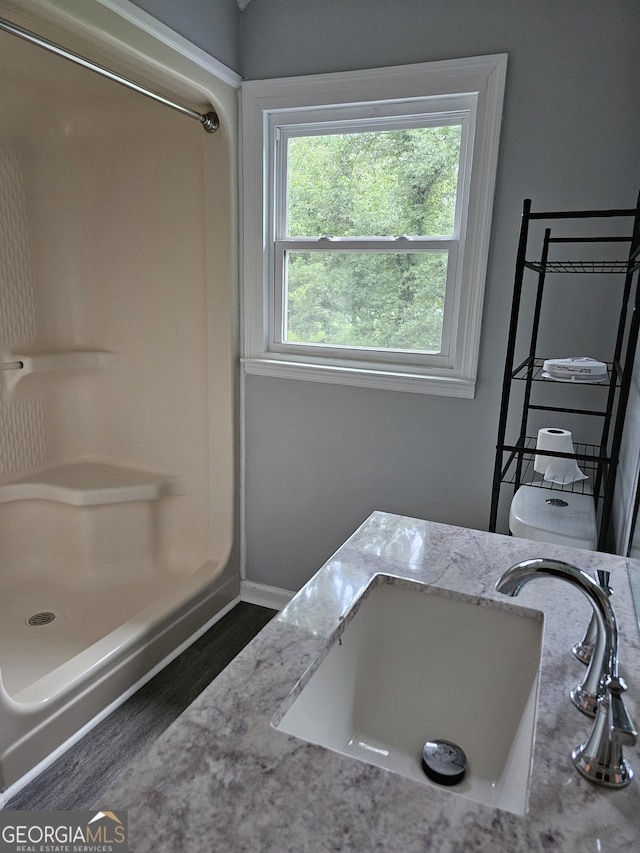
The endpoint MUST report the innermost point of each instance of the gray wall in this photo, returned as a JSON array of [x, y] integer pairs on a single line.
[[213, 25], [320, 458]]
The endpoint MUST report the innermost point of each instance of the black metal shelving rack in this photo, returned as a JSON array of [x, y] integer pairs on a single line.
[[514, 459]]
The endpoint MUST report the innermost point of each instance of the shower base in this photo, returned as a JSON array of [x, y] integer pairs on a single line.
[[94, 594], [106, 640], [84, 613]]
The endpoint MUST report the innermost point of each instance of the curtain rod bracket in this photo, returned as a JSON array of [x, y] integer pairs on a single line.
[[210, 121]]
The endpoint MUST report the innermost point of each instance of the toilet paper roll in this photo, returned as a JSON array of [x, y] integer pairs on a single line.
[[551, 438], [554, 468]]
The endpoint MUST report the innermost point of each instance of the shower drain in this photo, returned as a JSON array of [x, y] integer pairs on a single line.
[[43, 618]]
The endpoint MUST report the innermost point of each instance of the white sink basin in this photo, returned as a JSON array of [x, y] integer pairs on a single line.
[[413, 663]]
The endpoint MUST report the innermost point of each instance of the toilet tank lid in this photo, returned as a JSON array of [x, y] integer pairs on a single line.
[[538, 508]]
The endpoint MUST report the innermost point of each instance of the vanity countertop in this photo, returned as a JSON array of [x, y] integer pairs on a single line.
[[222, 779]]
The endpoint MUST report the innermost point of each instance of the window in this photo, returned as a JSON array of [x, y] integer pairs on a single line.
[[366, 214]]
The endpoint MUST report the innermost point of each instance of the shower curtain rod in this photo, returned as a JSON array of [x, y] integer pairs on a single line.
[[209, 121]]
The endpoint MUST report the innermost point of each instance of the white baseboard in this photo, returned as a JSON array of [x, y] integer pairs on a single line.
[[264, 595]]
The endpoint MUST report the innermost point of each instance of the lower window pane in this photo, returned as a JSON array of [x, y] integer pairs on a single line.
[[377, 300]]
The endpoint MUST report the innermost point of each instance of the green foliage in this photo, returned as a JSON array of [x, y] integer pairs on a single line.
[[372, 184], [391, 300]]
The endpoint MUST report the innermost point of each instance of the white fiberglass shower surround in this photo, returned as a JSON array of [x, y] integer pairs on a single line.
[[116, 339]]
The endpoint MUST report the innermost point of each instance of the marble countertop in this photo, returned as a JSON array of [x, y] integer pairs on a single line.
[[222, 779]]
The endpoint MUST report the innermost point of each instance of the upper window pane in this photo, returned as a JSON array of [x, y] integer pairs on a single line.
[[374, 183]]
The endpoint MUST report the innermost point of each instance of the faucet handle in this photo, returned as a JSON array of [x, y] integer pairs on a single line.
[[600, 757], [621, 728]]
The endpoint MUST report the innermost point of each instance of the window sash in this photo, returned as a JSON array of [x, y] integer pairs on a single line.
[[316, 123], [281, 133], [278, 300]]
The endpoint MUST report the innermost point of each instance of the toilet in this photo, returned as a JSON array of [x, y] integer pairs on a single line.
[[559, 517]]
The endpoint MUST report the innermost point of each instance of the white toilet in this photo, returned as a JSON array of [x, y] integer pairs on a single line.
[[559, 517]]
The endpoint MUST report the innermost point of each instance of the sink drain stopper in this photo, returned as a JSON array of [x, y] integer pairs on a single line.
[[444, 762]]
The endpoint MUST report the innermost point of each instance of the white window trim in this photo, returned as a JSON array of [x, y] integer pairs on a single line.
[[483, 77]]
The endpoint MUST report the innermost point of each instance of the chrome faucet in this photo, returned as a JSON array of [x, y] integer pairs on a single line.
[[600, 757], [584, 649]]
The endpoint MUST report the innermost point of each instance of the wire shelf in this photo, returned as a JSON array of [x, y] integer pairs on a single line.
[[588, 267], [537, 365], [587, 456]]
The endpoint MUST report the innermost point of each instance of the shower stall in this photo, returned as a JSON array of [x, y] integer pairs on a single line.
[[117, 266]]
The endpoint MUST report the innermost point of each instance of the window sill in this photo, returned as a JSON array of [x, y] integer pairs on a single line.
[[384, 380]]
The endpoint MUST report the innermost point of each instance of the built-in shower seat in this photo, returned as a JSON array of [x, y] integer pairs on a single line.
[[90, 484], [85, 518]]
